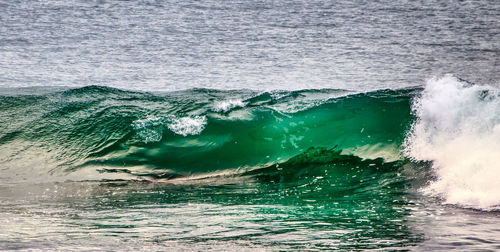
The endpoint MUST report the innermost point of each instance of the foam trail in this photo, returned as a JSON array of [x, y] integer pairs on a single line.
[[148, 130], [458, 129], [227, 105], [189, 125]]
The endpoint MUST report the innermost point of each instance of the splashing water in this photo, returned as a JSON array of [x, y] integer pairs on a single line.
[[458, 128]]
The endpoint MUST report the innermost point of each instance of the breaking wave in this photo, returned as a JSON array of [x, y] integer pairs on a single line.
[[458, 129], [103, 133]]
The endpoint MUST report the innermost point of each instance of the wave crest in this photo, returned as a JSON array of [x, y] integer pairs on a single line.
[[458, 128]]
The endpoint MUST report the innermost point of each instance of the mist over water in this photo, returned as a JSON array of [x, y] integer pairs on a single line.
[[247, 125]]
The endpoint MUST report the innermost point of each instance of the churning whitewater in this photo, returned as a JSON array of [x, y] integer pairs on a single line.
[[458, 129]]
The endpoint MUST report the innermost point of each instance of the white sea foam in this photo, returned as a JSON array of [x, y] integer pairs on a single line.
[[458, 129], [189, 125], [149, 130], [225, 106]]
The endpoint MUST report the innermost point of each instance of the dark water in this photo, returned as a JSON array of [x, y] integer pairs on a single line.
[[252, 125]]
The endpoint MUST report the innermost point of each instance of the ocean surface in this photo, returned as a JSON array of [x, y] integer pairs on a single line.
[[249, 125]]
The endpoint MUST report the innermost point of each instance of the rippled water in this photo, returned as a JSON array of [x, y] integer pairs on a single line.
[[144, 216], [376, 148], [172, 45]]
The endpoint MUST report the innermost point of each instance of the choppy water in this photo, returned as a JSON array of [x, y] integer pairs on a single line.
[[249, 125], [172, 45]]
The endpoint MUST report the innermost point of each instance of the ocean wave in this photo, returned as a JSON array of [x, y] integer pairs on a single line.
[[104, 129], [458, 129]]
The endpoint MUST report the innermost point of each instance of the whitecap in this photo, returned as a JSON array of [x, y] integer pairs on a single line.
[[227, 105], [458, 129], [189, 125]]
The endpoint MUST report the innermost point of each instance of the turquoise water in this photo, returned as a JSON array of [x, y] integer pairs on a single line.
[[175, 135], [98, 167]]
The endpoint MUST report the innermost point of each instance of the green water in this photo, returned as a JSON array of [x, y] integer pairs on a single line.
[[94, 168], [97, 126]]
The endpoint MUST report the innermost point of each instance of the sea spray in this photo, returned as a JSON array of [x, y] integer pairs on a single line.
[[458, 129]]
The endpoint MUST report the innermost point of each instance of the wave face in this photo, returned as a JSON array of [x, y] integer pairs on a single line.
[[458, 129], [110, 131], [295, 137], [328, 159]]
